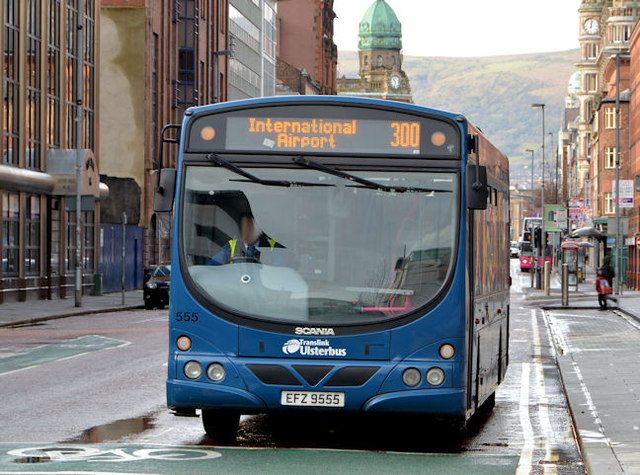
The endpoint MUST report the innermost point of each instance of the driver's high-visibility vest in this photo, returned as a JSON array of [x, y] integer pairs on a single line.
[[234, 242]]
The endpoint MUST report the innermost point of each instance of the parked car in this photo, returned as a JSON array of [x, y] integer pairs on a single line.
[[156, 289], [515, 249]]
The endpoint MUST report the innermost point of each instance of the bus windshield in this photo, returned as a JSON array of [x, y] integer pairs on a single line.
[[323, 250]]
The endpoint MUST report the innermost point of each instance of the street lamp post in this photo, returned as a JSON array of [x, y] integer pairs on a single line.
[[543, 243], [533, 198], [556, 180]]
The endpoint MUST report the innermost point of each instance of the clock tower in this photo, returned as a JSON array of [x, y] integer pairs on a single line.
[[380, 46]]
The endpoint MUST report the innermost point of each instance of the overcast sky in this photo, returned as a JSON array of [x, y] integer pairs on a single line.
[[469, 27]]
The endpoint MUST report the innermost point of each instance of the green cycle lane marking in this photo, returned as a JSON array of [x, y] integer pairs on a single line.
[[56, 352], [160, 459]]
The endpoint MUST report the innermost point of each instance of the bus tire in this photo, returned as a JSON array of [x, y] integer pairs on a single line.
[[221, 426], [489, 404]]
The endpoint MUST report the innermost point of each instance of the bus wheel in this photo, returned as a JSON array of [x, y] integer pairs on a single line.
[[221, 426], [488, 404]]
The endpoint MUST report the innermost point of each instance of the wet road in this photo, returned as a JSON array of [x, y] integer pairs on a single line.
[[100, 380]]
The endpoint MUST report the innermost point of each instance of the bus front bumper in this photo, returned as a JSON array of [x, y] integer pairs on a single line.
[[195, 395]]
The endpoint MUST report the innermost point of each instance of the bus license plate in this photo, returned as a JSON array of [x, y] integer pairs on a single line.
[[311, 399]]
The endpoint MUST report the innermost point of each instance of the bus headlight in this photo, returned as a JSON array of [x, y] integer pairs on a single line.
[[435, 376], [216, 372], [183, 343], [193, 370], [447, 351], [411, 377]]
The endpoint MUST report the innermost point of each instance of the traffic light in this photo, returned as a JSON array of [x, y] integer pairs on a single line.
[[537, 237]]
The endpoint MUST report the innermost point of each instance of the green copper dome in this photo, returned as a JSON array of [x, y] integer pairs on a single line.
[[380, 28]]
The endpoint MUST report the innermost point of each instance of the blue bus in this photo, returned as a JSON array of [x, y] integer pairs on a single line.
[[334, 254]]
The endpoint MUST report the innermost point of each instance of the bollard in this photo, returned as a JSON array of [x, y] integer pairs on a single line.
[[532, 273], [565, 285], [547, 278], [124, 254]]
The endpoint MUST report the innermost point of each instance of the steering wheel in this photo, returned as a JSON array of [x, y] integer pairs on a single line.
[[246, 259]]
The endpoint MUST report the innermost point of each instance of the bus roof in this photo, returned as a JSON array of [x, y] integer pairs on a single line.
[[328, 100]]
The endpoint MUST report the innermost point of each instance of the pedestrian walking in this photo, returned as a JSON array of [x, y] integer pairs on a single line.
[[603, 287], [607, 270]]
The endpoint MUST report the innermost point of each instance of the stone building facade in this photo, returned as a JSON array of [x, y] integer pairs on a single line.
[[605, 27], [380, 74]]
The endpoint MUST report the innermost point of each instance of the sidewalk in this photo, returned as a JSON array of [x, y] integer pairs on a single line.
[[585, 297], [598, 354], [14, 313]]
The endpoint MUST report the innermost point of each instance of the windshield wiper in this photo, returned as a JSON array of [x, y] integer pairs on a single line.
[[363, 182], [254, 179]]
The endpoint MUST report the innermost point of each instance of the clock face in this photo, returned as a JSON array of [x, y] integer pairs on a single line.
[[394, 82], [591, 26]]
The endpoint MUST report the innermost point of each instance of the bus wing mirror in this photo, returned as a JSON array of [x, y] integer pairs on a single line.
[[477, 187], [164, 192]]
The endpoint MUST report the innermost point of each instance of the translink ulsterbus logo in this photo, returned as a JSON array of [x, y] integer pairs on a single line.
[[312, 348]]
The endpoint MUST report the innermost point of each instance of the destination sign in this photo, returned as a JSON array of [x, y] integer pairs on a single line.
[[324, 135], [325, 130]]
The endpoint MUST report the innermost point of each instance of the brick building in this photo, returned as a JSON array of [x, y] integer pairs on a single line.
[[603, 142], [307, 55], [157, 58], [39, 122], [605, 26], [633, 274]]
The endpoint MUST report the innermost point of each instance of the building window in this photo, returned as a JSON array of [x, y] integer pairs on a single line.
[[379, 60], [10, 233], [244, 78], [71, 69], [269, 33], [33, 72], [610, 157], [55, 236], [610, 118], [591, 82], [620, 33], [185, 90], [53, 75], [32, 236], [88, 93], [591, 51], [608, 204], [243, 29], [11, 109], [70, 258]]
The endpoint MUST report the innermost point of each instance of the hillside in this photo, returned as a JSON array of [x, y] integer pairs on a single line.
[[495, 93]]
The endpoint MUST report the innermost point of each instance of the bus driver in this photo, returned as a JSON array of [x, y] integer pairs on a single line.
[[246, 248]]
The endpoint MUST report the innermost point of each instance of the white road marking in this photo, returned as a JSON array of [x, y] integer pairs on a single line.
[[526, 455], [153, 319], [65, 358], [543, 400]]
